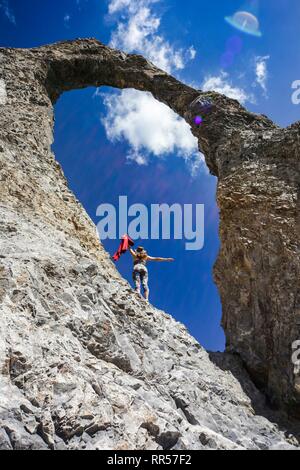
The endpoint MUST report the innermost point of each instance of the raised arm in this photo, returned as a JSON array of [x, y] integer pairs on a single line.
[[132, 252], [151, 258]]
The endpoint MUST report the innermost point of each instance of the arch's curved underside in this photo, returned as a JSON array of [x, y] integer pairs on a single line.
[[67, 315]]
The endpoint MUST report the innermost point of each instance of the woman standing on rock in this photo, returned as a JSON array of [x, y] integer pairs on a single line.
[[140, 271]]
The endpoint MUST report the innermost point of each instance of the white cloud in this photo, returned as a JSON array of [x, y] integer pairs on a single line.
[[261, 70], [117, 5], [192, 51], [138, 31], [150, 127], [221, 84], [3, 94], [5, 7]]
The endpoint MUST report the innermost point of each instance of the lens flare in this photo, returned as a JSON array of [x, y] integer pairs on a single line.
[[234, 47], [198, 120], [245, 22]]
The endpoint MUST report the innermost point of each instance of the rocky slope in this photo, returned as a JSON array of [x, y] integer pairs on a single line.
[[84, 362], [85, 365]]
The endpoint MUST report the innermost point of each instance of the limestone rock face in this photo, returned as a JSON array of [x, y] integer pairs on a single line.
[[258, 267], [84, 362]]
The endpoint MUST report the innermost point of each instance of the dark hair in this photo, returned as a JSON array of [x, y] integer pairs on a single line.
[[141, 252]]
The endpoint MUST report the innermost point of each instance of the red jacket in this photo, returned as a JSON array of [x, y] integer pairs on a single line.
[[125, 244]]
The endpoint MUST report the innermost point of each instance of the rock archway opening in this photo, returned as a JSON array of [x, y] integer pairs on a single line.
[[99, 171]]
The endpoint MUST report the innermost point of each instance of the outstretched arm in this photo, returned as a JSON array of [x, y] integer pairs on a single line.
[[151, 258], [132, 252]]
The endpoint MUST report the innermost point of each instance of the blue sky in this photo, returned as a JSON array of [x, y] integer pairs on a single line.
[[113, 143]]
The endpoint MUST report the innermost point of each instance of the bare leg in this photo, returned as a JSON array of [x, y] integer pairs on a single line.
[[144, 279], [137, 282]]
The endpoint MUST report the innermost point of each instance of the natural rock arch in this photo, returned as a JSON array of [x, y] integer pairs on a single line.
[[257, 165]]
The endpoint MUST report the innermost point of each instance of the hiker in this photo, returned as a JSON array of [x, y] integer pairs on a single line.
[[140, 271]]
